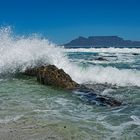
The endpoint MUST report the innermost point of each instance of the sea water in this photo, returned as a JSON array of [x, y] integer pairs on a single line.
[[22, 98]]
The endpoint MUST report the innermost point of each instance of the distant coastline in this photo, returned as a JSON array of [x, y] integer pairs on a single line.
[[102, 42]]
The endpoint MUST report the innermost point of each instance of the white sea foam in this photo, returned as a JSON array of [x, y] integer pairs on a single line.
[[135, 119], [106, 50], [18, 53]]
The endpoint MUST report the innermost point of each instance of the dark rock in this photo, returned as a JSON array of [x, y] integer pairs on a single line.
[[101, 59], [89, 95], [33, 71], [135, 54], [51, 75]]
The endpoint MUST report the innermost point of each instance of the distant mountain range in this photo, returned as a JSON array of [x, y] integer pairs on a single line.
[[101, 41]]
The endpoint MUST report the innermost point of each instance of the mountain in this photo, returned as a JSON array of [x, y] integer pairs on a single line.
[[101, 41]]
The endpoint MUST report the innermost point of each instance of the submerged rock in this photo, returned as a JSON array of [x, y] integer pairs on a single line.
[[135, 54], [101, 59], [89, 95], [51, 75]]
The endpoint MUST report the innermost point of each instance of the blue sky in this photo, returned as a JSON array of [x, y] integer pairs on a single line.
[[63, 20]]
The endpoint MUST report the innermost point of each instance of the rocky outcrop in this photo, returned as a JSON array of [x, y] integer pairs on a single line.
[[101, 59], [135, 54], [51, 75]]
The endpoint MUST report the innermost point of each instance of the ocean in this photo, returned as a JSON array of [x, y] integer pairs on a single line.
[[29, 110]]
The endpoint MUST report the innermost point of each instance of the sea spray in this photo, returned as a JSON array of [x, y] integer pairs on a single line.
[[18, 53]]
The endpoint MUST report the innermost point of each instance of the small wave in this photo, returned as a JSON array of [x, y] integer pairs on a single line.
[[99, 74]]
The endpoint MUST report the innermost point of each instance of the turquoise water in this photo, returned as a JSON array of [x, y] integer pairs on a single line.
[[22, 99]]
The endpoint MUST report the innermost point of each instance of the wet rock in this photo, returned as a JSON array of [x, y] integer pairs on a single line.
[[101, 59], [51, 75], [135, 54], [89, 95]]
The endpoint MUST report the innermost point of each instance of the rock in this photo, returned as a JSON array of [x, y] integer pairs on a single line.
[[101, 59], [135, 54], [88, 95], [51, 75]]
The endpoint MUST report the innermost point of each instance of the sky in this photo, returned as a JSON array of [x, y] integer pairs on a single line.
[[63, 20]]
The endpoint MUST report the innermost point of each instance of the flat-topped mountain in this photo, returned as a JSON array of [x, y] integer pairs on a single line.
[[101, 41]]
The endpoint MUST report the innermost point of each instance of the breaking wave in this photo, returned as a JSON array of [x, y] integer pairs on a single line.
[[18, 53]]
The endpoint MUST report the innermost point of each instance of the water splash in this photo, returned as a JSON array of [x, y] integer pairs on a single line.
[[18, 53]]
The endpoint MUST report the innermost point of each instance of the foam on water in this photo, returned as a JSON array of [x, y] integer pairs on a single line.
[[135, 119], [106, 50], [18, 53]]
